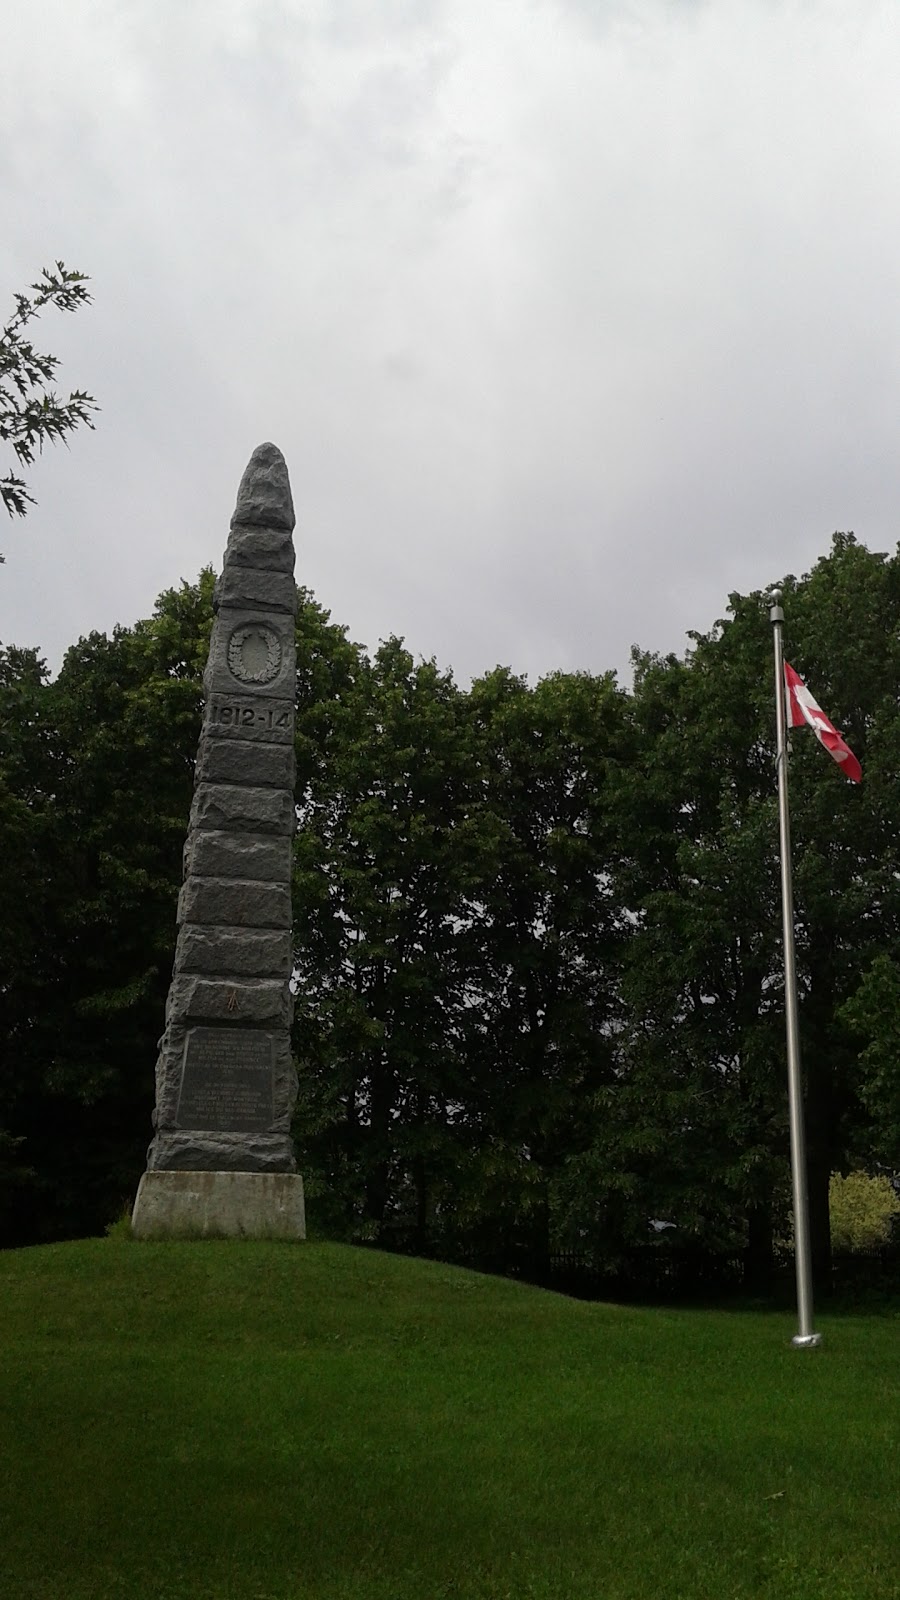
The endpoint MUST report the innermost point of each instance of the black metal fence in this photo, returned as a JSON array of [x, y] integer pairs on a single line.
[[647, 1273], [654, 1274], [643, 1273], [664, 1270]]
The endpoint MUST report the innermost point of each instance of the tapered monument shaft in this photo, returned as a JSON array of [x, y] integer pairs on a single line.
[[225, 1081]]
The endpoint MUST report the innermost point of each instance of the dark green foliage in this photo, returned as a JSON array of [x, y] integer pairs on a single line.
[[537, 931], [98, 768], [545, 946], [694, 1127], [389, 854], [873, 1012]]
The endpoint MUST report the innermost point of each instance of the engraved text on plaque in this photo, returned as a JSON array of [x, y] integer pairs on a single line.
[[227, 1081]]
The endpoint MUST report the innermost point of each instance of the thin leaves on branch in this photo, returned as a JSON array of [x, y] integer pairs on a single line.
[[31, 412]]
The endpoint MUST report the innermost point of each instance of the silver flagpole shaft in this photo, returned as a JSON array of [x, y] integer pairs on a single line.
[[805, 1338]]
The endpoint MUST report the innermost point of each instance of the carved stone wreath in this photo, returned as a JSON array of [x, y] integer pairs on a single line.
[[254, 653]]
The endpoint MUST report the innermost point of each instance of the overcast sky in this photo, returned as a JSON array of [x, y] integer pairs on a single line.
[[570, 317]]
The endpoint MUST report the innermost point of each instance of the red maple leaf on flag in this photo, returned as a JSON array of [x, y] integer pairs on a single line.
[[802, 708]]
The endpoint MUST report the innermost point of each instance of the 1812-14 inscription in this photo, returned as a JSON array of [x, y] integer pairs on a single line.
[[226, 1081], [248, 718]]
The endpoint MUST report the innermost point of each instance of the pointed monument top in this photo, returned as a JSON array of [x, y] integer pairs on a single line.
[[264, 497]]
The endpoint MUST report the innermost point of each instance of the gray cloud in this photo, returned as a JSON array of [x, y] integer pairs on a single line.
[[569, 319]]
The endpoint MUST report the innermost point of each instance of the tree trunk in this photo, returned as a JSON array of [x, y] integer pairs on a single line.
[[759, 1255], [420, 1179], [819, 1178], [378, 1155], [818, 1170]]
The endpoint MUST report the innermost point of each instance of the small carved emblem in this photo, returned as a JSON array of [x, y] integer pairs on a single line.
[[254, 653], [231, 1002]]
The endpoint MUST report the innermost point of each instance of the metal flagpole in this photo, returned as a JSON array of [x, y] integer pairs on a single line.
[[805, 1338]]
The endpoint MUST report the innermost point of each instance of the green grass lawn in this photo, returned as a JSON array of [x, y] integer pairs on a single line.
[[265, 1421]]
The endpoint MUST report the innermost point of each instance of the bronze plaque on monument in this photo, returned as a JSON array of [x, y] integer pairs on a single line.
[[226, 1081]]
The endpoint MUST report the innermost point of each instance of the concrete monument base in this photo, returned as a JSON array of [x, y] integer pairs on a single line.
[[219, 1205]]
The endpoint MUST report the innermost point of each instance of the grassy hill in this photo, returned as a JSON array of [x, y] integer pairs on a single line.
[[283, 1422]]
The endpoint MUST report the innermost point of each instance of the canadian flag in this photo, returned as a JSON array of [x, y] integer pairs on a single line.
[[803, 708]]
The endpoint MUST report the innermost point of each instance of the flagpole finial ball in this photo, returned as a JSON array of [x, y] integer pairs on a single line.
[[775, 597]]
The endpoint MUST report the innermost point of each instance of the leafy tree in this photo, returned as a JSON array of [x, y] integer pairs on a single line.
[[694, 1129], [453, 934], [23, 890], [99, 764], [544, 950], [863, 1210], [387, 855], [689, 1129], [537, 930], [30, 410], [873, 1013], [844, 622]]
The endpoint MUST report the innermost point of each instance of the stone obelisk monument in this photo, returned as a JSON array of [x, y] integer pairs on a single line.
[[222, 1161]]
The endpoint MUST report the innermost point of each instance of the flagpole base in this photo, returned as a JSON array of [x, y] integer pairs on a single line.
[[806, 1341]]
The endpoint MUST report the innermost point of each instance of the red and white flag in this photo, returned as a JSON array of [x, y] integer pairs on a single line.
[[802, 708]]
